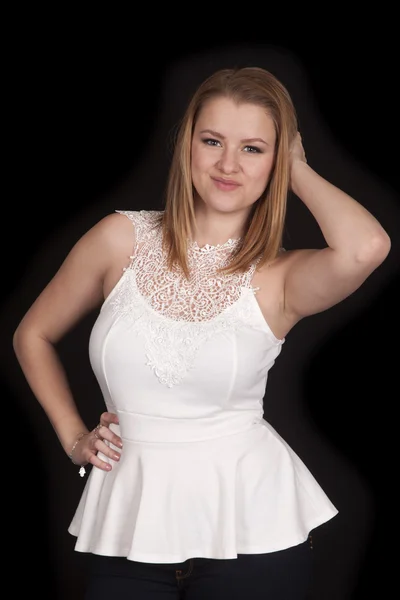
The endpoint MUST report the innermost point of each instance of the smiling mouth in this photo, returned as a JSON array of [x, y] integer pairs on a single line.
[[225, 181], [225, 185]]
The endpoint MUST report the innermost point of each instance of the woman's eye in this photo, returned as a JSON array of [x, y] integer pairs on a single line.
[[211, 142], [248, 149], [252, 149]]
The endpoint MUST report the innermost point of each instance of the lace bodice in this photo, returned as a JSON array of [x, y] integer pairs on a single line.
[[177, 315], [204, 295]]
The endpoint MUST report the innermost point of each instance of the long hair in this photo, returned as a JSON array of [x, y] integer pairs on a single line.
[[263, 234]]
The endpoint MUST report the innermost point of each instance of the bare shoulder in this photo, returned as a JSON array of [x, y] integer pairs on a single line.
[[113, 235], [114, 226], [117, 240]]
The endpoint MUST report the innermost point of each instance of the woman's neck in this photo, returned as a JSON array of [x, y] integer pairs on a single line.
[[216, 228]]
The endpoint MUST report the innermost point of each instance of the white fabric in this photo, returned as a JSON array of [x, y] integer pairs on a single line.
[[185, 365]]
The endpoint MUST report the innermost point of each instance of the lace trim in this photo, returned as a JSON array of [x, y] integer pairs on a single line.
[[144, 221]]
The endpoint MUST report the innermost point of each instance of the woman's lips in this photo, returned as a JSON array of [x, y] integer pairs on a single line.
[[225, 185]]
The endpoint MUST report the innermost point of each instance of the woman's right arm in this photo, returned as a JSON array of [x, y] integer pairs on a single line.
[[75, 290]]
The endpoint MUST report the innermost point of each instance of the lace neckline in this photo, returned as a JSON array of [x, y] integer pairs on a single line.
[[230, 244]]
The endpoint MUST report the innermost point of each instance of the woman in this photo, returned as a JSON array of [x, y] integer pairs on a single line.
[[191, 490]]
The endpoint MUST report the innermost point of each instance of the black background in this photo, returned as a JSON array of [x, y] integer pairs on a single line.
[[89, 110]]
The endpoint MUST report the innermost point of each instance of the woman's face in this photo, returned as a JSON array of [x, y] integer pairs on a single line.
[[232, 154]]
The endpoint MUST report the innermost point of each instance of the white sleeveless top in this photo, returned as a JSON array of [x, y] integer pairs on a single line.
[[184, 364]]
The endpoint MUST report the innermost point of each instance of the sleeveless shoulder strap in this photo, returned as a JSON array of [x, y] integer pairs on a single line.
[[144, 222]]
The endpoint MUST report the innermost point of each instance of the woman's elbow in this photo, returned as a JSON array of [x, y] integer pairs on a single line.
[[376, 251], [22, 338], [18, 339]]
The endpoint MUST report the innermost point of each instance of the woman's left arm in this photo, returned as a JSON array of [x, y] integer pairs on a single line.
[[356, 243]]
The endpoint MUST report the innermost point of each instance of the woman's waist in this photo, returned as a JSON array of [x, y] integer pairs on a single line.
[[139, 427]]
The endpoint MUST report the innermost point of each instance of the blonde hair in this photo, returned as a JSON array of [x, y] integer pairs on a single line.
[[262, 239]]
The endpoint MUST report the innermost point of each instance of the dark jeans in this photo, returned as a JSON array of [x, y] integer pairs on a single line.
[[283, 575]]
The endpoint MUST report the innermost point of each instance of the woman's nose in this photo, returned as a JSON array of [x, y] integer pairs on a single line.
[[228, 162]]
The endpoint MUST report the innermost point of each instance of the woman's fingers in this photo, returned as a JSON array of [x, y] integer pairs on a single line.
[[105, 441], [103, 431], [100, 446]]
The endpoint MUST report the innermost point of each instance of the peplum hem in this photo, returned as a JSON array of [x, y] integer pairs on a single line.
[[166, 502]]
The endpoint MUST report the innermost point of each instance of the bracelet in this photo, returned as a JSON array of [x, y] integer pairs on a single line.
[[82, 470]]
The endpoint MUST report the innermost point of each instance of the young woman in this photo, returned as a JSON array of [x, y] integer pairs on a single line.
[[191, 489]]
